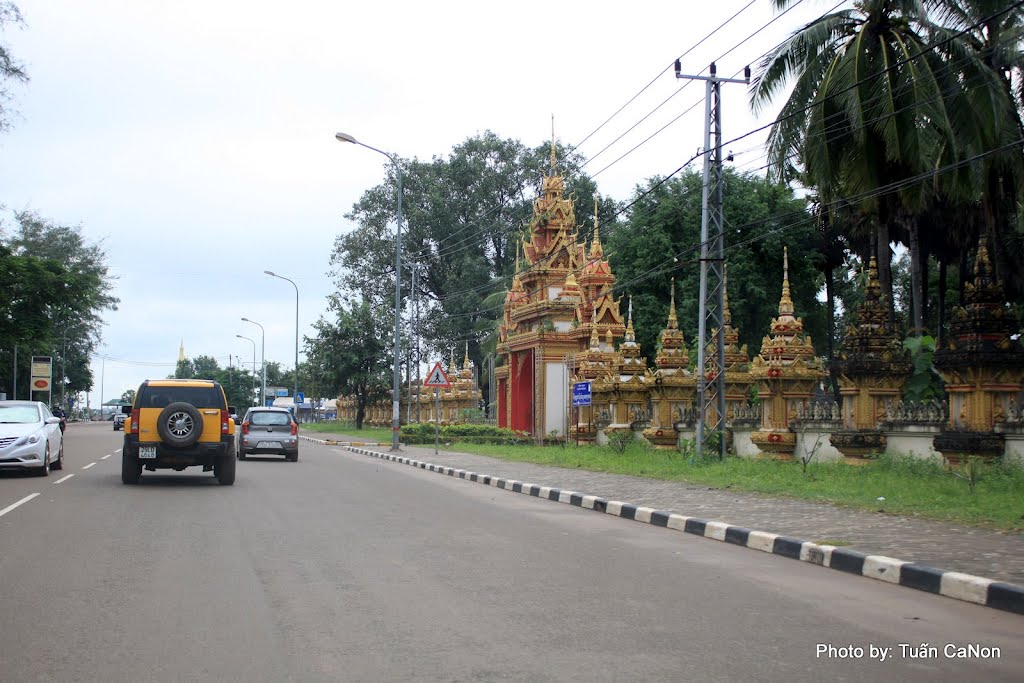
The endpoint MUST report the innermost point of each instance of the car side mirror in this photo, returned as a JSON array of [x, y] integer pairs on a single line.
[[127, 410], [232, 410]]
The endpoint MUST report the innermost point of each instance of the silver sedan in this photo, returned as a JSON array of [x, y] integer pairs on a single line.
[[30, 437]]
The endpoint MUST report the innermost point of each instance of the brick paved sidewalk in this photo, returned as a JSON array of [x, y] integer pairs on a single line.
[[952, 547]]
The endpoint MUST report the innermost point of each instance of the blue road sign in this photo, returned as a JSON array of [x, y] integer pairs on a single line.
[[300, 397], [581, 394]]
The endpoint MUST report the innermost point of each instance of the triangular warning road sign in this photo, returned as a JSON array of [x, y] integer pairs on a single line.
[[437, 378]]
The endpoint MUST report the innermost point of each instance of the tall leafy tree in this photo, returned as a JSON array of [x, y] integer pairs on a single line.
[[353, 352], [464, 215], [660, 240], [11, 70], [86, 291]]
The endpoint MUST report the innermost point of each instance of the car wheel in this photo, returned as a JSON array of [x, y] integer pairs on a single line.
[[294, 457], [180, 424], [241, 454], [224, 470], [44, 470], [131, 469], [59, 465]]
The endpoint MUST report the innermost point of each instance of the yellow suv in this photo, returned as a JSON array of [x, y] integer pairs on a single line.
[[178, 423]]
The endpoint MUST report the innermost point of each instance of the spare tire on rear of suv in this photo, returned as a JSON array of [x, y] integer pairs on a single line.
[[179, 424]]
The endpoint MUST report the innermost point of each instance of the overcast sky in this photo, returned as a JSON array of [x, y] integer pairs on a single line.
[[195, 139]]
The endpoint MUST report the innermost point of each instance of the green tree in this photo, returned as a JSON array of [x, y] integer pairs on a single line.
[[464, 216], [11, 71], [761, 217], [69, 325], [353, 354]]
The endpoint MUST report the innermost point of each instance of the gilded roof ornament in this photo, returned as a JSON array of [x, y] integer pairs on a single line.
[[552, 144], [673, 322], [630, 332], [785, 303], [596, 252]]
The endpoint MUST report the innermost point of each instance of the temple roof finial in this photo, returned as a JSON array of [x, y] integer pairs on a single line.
[[596, 252], [785, 302], [726, 313], [673, 322], [595, 340], [552, 144], [465, 360]]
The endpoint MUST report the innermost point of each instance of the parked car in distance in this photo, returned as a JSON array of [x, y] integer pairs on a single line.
[[119, 419], [269, 430], [30, 437]]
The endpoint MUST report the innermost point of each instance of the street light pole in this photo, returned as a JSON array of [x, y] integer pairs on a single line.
[[296, 392], [263, 358], [395, 413], [253, 362]]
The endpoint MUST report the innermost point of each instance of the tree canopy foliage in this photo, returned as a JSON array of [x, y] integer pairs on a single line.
[[11, 70], [56, 288], [660, 240], [463, 217]]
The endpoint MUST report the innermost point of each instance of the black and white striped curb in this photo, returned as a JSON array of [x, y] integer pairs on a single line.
[[976, 589]]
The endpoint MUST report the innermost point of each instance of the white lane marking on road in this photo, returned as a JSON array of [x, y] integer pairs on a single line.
[[118, 450], [88, 466], [63, 479], [20, 502], [106, 456]]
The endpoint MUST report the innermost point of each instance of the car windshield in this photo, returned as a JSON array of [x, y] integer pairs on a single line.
[[19, 414], [269, 418]]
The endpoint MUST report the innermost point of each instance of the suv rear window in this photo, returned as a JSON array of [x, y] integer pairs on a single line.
[[268, 418], [161, 397]]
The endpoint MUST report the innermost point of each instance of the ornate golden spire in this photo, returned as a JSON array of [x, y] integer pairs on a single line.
[[595, 340], [630, 332], [785, 303], [552, 144], [465, 360], [726, 313], [673, 322], [596, 252]]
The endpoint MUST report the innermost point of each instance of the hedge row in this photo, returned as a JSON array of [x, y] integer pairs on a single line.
[[423, 432]]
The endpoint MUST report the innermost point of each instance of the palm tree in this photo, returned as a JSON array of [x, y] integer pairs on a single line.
[[865, 114], [985, 40]]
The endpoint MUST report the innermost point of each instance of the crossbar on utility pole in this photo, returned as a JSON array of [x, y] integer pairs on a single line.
[[711, 371]]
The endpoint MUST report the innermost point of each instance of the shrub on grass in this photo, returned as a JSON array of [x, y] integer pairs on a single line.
[[423, 432]]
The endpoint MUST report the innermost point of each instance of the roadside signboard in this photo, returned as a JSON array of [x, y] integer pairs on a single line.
[[42, 373], [300, 397], [581, 394], [436, 378]]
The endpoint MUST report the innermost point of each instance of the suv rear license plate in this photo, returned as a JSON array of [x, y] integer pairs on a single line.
[[147, 452], [268, 444]]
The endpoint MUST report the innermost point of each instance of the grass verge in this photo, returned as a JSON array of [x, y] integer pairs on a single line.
[[892, 484]]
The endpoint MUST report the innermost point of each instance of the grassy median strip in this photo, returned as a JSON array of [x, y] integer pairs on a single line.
[[896, 485]]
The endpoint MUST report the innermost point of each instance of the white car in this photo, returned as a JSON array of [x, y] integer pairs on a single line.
[[30, 437]]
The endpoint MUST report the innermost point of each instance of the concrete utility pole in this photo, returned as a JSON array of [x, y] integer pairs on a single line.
[[712, 265]]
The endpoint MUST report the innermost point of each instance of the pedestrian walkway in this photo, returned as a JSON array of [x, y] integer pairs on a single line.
[[952, 547]]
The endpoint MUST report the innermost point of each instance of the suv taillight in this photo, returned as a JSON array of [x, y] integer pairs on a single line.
[[295, 428], [245, 427], [135, 421], [224, 420]]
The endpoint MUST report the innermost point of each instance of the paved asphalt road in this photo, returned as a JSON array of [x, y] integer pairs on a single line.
[[341, 567]]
